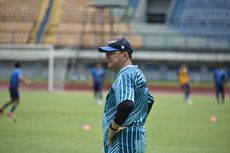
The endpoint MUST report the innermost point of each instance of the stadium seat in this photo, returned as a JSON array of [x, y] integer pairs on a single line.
[[92, 26], [17, 20]]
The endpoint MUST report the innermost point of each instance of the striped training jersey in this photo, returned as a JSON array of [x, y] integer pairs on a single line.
[[130, 84]]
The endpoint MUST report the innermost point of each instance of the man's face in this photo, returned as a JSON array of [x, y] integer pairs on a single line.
[[115, 60]]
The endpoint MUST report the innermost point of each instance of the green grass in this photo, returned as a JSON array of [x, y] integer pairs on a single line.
[[52, 123]]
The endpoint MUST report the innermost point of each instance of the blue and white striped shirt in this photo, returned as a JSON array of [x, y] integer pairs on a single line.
[[130, 84]]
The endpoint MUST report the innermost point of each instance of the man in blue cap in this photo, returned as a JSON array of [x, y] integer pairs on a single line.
[[128, 102]]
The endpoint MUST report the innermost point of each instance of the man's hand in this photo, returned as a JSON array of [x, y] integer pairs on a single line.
[[113, 132], [28, 82], [25, 81]]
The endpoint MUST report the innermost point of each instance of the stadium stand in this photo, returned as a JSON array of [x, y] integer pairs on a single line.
[[92, 24], [207, 13], [157, 37], [205, 22], [23, 10], [196, 32], [206, 17], [17, 20], [44, 23], [15, 32], [193, 24]]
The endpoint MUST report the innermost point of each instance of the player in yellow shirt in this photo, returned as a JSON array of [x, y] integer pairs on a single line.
[[185, 83]]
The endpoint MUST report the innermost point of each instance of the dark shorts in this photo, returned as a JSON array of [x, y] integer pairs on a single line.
[[219, 88], [14, 94], [185, 87], [97, 86]]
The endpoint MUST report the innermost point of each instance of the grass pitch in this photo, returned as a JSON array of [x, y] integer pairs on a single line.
[[52, 123]]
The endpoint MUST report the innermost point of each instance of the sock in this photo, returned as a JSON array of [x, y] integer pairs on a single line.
[[13, 108], [100, 96], [6, 105]]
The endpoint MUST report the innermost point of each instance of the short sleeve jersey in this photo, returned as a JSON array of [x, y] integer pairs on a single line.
[[98, 75], [130, 84], [220, 76], [15, 78], [184, 76]]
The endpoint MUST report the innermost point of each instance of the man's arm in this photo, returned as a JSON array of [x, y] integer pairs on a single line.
[[150, 102], [123, 111], [25, 81]]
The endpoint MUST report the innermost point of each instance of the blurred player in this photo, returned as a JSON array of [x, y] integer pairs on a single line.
[[98, 75], [15, 79], [185, 83], [220, 76], [128, 102]]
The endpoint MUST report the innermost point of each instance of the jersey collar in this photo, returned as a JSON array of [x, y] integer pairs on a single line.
[[121, 70]]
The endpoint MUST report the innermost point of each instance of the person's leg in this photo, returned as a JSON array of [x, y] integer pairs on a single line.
[[99, 99], [95, 94], [100, 91], [222, 94], [12, 96], [98, 94], [5, 106], [94, 90], [16, 103], [217, 94], [184, 91], [15, 99], [11, 112], [187, 94]]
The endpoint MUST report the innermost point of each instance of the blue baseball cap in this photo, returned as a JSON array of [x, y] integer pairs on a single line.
[[121, 44]]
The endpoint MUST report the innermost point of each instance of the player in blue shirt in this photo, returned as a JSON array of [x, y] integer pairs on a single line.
[[15, 79], [128, 102], [220, 76], [98, 75]]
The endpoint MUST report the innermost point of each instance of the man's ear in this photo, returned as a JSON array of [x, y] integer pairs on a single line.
[[126, 55]]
